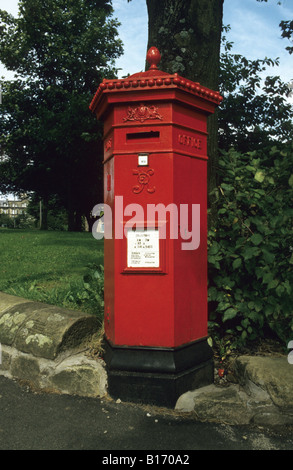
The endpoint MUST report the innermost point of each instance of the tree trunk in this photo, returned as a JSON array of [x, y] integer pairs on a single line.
[[70, 218], [78, 221], [44, 213], [188, 36]]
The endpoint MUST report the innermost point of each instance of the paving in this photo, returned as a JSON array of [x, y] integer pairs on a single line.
[[48, 348], [34, 420]]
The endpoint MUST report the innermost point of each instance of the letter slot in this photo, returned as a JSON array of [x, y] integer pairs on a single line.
[[139, 136]]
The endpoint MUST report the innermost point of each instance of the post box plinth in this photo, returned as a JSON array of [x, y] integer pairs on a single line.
[[157, 376], [155, 251]]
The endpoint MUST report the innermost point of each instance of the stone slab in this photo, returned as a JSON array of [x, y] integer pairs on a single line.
[[43, 330], [76, 374], [216, 404], [274, 375], [263, 396], [79, 375], [7, 301]]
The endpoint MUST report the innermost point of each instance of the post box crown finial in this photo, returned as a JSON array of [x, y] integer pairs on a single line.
[[153, 58]]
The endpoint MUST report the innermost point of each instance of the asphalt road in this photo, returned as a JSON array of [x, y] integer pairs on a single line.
[[40, 421]]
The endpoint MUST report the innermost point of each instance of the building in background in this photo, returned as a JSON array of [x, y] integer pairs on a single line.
[[14, 212], [13, 207]]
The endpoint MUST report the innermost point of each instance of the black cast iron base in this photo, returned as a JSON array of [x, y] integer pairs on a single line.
[[157, 376]]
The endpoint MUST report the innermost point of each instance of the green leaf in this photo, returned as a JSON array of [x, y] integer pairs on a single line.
[[229, 314], [213, 293], [280, 290], [223, 306], [237, 263], [222, 211], [268, 257], [244, 334], [214, 249], [227, 187], [259, 176], [245, 323], [287, 286], [267, 277], [272, 284], [250, 168], [268, 310], [291, 180], [256, 238], [250, 252]]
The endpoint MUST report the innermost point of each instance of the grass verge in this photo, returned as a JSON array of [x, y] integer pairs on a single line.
[[59, 268]]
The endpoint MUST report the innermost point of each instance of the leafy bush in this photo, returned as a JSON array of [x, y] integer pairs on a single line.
[[91, 295], [251, 246]]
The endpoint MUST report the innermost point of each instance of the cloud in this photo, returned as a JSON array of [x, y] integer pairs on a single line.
[[256, 34], [133, 32]]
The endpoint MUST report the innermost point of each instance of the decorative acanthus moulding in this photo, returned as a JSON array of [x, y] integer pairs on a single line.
[[142, 113]]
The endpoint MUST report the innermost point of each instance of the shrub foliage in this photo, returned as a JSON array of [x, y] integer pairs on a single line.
[[251, 246]]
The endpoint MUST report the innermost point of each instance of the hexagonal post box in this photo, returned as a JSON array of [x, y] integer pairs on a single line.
[[155, 203]]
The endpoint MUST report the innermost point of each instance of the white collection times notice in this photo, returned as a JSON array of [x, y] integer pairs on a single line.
[[143, 248]]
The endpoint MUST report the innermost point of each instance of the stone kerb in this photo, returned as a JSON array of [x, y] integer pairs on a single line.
[[40, 329], [268, 375], [46, 346], [37, 341], [263, 394]]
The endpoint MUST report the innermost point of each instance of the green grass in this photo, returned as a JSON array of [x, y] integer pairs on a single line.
[[48, 266]]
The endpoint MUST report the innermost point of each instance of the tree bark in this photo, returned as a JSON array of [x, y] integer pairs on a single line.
[[188, 36], [44, 213]]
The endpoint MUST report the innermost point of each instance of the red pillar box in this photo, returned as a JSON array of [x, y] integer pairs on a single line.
[[155, 202]]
